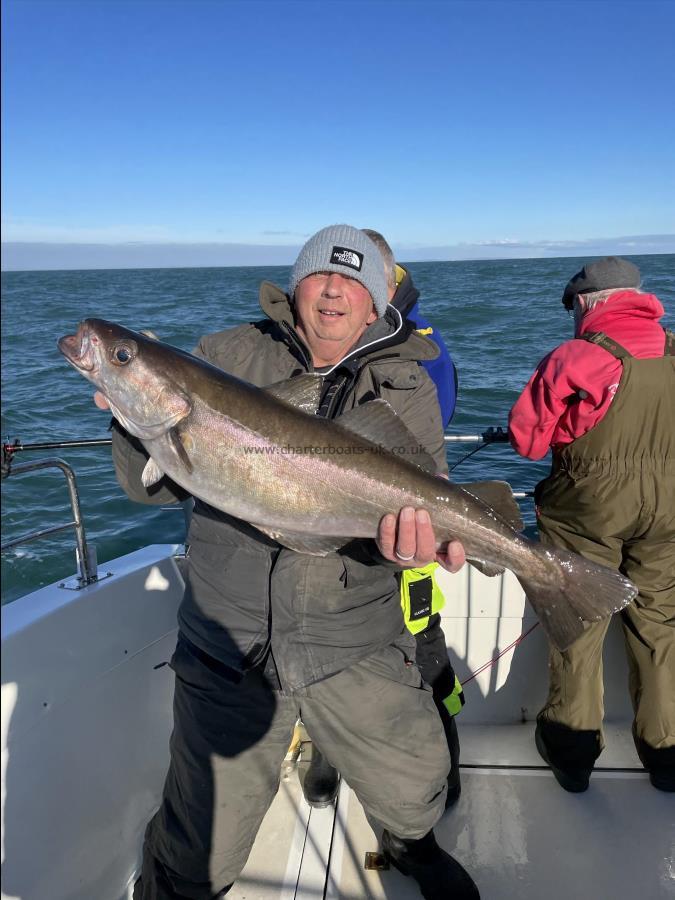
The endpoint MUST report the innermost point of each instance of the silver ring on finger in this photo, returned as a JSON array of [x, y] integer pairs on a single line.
[[404, 558]]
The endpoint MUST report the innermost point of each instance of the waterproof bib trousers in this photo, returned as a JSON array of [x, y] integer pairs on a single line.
[[611, 497]]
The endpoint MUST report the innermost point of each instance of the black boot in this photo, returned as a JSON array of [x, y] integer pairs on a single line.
[[454, 786], [158, 892], [660, 763], [320, 785], [439, 876], [570, 754]]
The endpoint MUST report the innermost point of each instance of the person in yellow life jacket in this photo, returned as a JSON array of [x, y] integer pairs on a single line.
[[421, 597], [422, 600]]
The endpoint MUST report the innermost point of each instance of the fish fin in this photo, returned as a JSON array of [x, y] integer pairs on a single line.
[[585, 592], [303, 392], [151, 473], [489, 569], [377, 422], [148, 332], [499, 497], [305, 543], [177, 442]]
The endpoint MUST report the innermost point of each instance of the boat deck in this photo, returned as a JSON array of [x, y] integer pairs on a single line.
[[519, 834], [86, 718]]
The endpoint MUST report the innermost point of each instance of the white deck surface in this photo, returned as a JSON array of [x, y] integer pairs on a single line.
[[519, 834], [87, 715]]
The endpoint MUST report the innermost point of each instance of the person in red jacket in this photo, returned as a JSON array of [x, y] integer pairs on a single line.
[[604, 403]]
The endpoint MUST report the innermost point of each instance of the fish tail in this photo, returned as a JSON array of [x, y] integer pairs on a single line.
[[579, 591]]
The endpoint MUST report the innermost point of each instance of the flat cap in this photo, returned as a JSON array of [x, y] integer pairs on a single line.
[[601, 275]]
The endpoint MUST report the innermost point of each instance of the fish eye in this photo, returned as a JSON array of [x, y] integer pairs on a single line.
[[121, 355]]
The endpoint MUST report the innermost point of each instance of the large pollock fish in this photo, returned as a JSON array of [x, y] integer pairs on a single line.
[[313, 485]]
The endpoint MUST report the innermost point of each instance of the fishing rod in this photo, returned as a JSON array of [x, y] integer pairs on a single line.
[[491, 435], [54, 445], [9, 449]]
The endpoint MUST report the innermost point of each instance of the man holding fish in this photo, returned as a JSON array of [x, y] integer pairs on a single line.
[[339, 653], [310, 495], [421, 596]]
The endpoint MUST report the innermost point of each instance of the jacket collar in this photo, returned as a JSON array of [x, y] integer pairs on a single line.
[[622, 308]]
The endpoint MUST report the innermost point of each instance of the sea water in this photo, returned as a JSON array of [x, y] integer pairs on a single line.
[[498, 318]]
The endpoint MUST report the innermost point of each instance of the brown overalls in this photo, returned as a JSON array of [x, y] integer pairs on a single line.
[[611, 497]]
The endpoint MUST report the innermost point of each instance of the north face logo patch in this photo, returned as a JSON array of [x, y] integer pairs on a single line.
[[344, 257]]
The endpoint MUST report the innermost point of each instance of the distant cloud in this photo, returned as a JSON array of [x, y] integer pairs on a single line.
[[513, 248], [42, 255], [34, 256], [504, 242]]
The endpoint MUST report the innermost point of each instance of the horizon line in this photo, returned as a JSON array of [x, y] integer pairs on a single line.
[[403, 262], [52, 256]]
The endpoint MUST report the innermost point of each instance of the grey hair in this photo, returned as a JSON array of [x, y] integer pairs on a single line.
[[594, 298], [387, 255], [584, 303]]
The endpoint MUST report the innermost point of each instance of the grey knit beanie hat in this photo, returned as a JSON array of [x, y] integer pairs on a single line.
[[601, 275], [347, 251]]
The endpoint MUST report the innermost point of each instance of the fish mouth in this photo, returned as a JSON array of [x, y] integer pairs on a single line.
[[78, 348]]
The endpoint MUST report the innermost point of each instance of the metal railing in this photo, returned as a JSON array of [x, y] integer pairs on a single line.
[[85, 553]]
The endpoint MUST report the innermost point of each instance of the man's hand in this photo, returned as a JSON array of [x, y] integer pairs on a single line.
[[409, 540]]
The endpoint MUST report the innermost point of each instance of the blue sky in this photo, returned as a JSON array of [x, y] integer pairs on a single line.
[[470, 124]]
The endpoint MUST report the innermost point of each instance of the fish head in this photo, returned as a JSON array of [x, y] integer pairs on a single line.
[[134, 373]]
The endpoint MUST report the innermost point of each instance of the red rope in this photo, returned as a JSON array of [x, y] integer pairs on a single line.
[[494, 659]]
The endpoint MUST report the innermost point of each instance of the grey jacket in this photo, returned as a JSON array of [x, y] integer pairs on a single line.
[[244, 593]]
